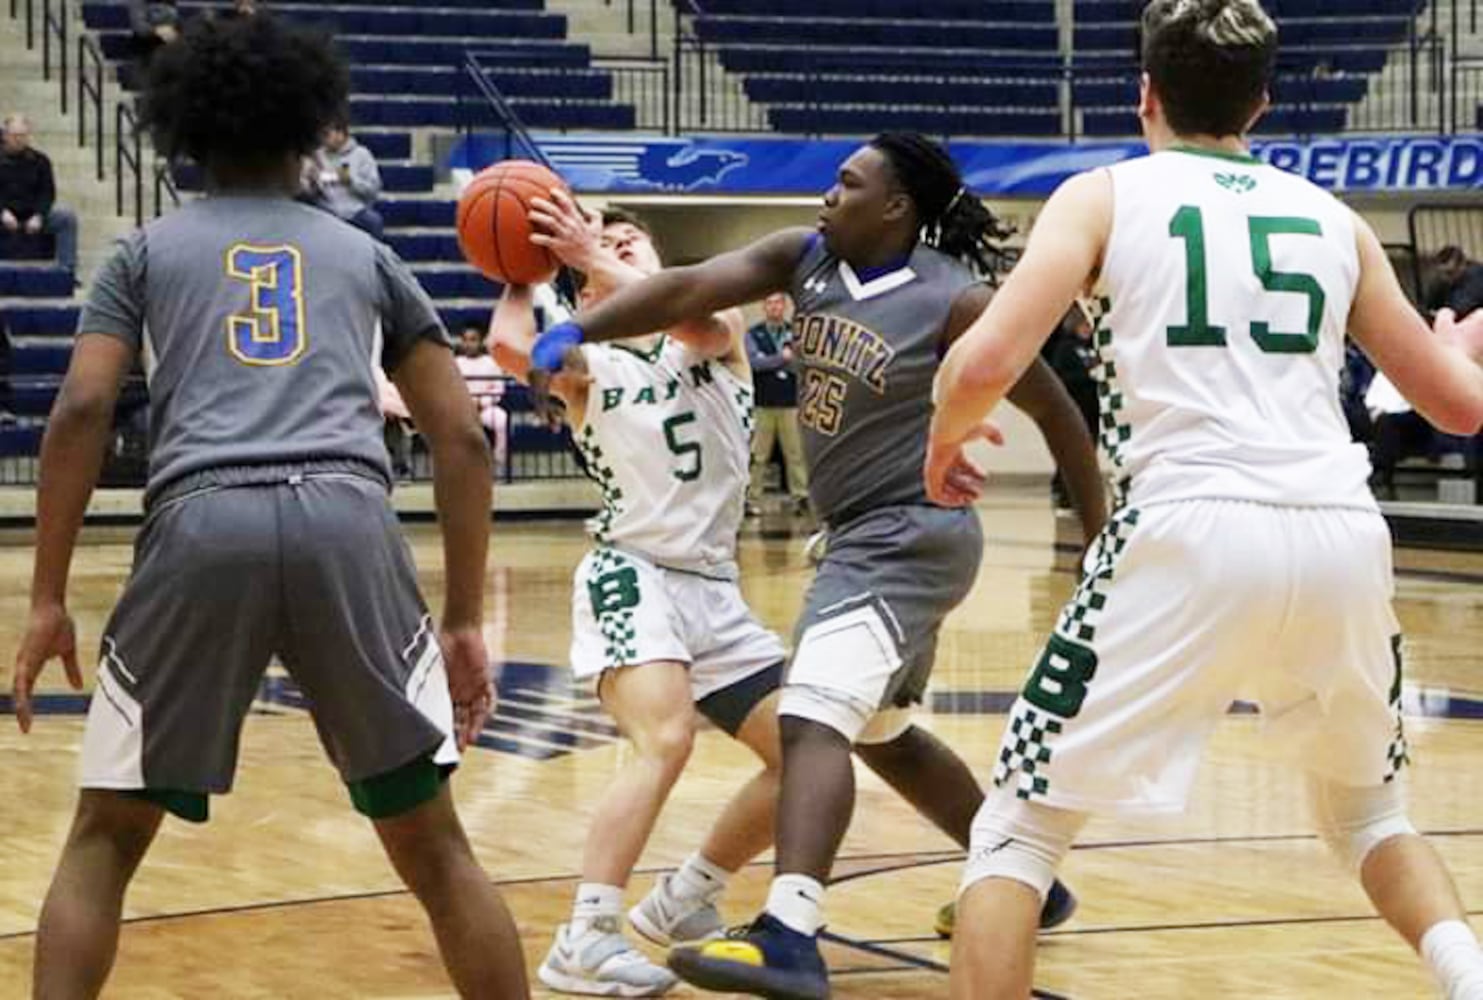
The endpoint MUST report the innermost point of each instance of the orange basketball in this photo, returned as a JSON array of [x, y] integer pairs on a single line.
[[494, 227]]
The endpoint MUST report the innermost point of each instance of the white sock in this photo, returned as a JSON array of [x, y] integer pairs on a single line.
[[699, 878], [595, 900], [797, 901], [1450, 950]]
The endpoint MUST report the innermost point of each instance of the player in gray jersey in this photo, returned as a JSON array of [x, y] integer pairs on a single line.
[[268, 529], [883, 286]]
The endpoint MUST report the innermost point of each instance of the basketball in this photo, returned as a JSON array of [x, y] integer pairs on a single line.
[[494, 225]]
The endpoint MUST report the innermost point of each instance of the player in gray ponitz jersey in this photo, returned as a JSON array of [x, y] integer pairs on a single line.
[[883, 286], [268, 528]]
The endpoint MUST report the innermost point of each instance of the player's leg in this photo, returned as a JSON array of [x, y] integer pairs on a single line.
[[77, 937], [887, 581], [476, 934], [1352, 739], [161, 732], [361, 646], [1018, 846], [683, 905], [938, 783], [1142, 666]]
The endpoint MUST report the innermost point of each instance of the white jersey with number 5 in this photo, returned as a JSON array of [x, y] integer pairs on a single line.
[[667, 437], [1221, 312]]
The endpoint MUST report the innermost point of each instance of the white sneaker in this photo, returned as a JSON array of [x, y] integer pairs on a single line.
[[815, 546], [668, 919], [601, 962]]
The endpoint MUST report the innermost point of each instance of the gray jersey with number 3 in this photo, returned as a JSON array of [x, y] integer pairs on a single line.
[[259, 321]]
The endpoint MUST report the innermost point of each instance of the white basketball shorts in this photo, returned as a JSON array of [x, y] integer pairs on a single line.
[[627, 611], [1187, 606]]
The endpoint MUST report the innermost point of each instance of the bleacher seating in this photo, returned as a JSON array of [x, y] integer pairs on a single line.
[[995, 67]]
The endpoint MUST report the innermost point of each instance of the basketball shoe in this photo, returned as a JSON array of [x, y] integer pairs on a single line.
[[667, 917], [601, 962], [767, 959]]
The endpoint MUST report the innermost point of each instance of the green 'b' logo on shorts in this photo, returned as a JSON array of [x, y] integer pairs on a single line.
[[1059, 683], [614, 592]]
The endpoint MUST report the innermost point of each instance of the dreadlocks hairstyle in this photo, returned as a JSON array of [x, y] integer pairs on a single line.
[[952, 218], [247, 90]]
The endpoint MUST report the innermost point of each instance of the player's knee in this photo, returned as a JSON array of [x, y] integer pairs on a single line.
[[1021, 841], [667, 742], [1355, 821], [834, 710], [123, 823]]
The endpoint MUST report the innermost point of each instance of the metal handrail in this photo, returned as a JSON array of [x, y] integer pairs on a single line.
[[54, 23], [128, 152], [90, 95], [516, 134]]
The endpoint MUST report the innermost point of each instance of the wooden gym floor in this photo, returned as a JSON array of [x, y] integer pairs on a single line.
[[286, 894]]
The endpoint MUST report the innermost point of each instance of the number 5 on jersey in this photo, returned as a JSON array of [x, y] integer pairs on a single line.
[[1188, 225], [271, 331]]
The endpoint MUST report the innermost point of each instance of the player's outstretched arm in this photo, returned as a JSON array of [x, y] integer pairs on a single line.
[[1440, 375], [77, 434], [665, 300], [445, 415], [1063, 253], [512, 331]]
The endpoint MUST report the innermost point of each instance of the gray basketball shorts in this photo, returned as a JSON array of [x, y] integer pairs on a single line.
[[239, 565], [870, 621]]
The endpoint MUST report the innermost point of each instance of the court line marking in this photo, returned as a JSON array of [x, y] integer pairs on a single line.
[[920, 859]]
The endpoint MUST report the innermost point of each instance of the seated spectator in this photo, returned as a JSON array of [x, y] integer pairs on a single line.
[[240, 8], [486, 382], [1399, 433], [398, 430], [1458, 283], [342, 178], [28, 192]]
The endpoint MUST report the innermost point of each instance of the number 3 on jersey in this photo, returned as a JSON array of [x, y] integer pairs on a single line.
[[271, 331], [1188, 225]]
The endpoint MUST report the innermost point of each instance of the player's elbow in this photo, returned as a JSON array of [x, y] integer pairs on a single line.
[[82, 405], [1463, 417], [459, 443]]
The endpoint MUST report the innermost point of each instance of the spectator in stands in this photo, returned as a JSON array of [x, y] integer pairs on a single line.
[[486, 383], [1401, 433], [241, 8], [775, 394], [1459, 282], [398, 429], [28, 192], [342, 178], [153, 24]]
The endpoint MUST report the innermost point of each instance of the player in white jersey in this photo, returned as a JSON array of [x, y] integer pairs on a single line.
[[659, 625], [1247, 557]]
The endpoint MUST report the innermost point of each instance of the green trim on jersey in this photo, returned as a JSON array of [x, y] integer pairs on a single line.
[[1057, 688], [601, 473], [1114, 431], [1216, 154], [651, 355]]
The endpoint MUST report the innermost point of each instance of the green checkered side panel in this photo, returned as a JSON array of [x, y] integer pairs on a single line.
[[1397, 755], [607, 484], [1028, 744], [1113, 430], [612, 583], [744, 408]]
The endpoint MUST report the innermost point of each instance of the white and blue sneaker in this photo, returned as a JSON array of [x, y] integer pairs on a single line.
[[601, 962]]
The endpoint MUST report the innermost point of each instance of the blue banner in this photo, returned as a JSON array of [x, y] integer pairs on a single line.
[[749, 165]]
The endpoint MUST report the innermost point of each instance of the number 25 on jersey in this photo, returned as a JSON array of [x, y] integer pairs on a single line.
[[271, 330]]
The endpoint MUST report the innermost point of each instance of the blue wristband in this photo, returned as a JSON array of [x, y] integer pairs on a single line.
[[551, 347]]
